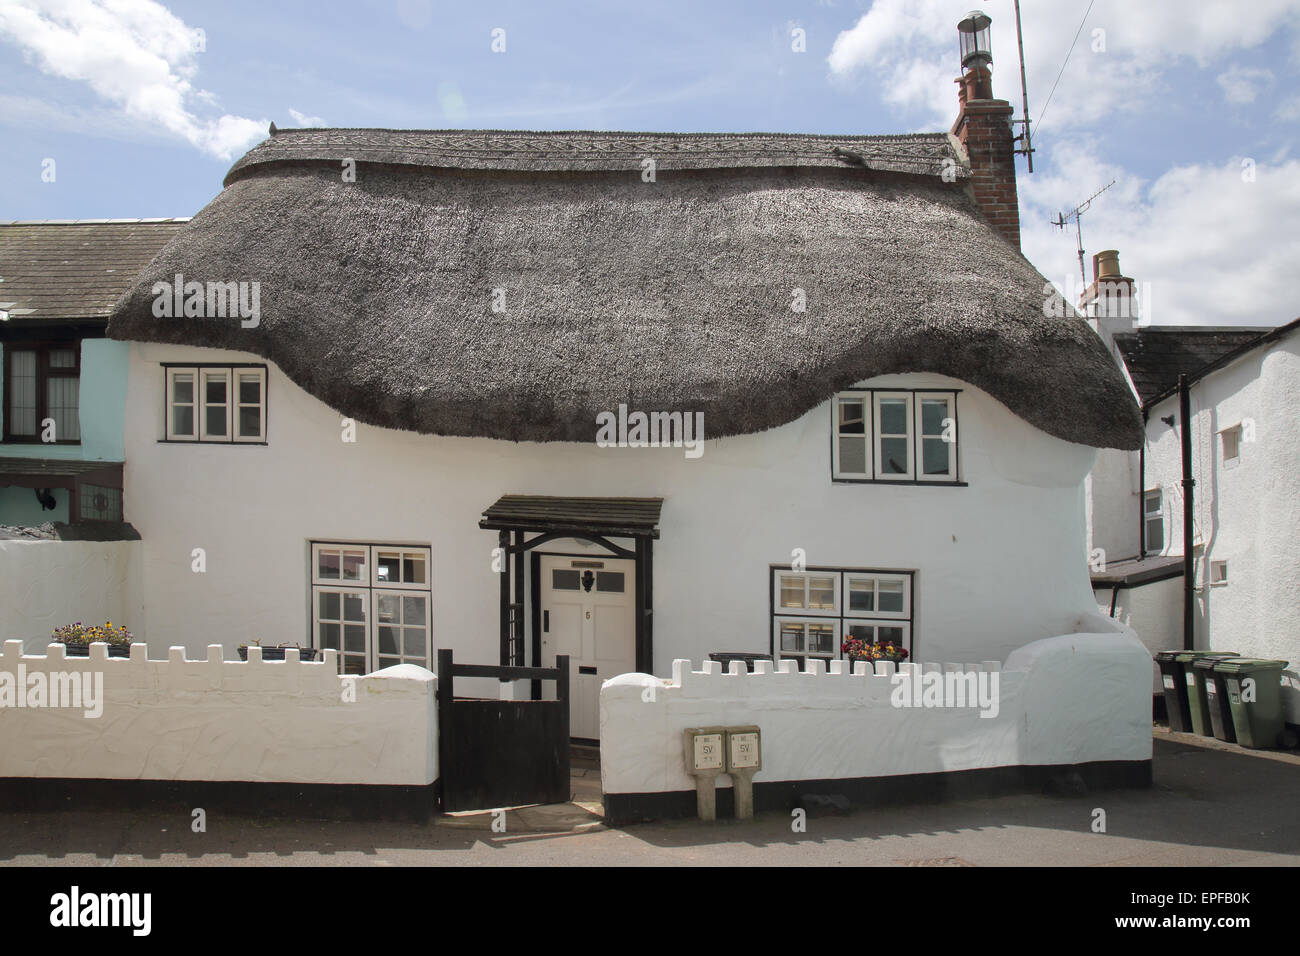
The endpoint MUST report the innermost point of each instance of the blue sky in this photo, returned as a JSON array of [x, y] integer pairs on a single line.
[[1194, 109]]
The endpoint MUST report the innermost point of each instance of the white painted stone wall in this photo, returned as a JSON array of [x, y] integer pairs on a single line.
[[1155, 612], [999, 563], [46, 584], [1248, 513], [1070, 699], [213, 719]]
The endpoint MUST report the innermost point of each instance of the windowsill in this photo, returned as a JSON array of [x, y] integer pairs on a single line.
[[197, 441], [891, 481]]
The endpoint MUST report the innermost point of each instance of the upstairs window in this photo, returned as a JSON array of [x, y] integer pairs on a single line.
[[1230, 438], [216, 403], [1154, 517], [42, 393], [895, 436]]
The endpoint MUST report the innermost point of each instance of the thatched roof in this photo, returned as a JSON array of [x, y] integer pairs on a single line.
[[673, 295]]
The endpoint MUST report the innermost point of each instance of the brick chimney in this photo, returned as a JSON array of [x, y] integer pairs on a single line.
[[983, 128]]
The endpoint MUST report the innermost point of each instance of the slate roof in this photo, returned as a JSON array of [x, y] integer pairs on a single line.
[[76, 268], [1156, 355]]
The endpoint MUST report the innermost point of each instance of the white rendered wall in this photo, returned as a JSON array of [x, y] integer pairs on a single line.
[[999, 563], [1155, 612], [1070, 699], [46, 584], [260, 721], [1248, 513]]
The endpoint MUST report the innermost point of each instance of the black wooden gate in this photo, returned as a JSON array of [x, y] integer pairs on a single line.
[[502, 753]]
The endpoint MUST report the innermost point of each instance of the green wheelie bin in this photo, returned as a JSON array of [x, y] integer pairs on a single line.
[[1171, 679], [1254, 699], [1198, 697], [1216, 699]]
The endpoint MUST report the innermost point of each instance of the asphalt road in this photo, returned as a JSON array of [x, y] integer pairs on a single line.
[[1209, 807]]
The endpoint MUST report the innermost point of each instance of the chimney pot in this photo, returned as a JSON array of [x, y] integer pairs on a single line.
[[1105, 265]]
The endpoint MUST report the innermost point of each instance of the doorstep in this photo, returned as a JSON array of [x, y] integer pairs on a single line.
[[1162, 732], [584, 811]]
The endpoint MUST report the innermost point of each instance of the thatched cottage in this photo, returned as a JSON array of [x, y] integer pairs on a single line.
[[422, 427]]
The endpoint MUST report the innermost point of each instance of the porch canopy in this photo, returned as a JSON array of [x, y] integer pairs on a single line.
[[545, 518], [96, 477]]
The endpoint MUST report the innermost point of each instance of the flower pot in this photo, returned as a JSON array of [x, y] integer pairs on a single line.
[[83, 650], [277, 653]]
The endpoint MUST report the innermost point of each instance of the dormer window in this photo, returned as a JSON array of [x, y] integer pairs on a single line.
[[895, 436]]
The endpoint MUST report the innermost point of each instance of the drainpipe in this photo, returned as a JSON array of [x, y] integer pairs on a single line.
[[1142, 489], [1189, 579]]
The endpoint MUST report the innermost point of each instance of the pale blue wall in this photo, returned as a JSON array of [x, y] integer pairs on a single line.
[[103, 404]]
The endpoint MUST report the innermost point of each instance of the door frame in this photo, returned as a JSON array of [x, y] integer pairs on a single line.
[[640, 633]]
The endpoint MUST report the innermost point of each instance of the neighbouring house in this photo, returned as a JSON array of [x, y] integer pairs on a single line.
[[1243, 396], [63, 382], [391, 392], [67, 550]]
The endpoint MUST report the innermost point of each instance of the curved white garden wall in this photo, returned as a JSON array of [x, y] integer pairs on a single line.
[[1073, 699], [998, 563], [261, 721], [46, 584]]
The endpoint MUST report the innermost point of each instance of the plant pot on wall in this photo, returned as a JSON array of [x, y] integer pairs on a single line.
[[83, 650], [277, 653]]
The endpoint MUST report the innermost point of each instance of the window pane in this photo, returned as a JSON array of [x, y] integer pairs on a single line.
[[1155, 535], [609, 581], [327, 565], [891, 596], [413, 610], [250, 388], [821, 638], [63, 358], [389, 608], [853, 456], [893, 416], [891, 635], [862, 594], [389, 661], [791, 591], [183, 388], [354, 638], [413, 569], [215, 418], [214, 392], [851, 421], [63, 395], [329, 635], [415, 642], [821, 593], [1153, 503], [934, 456], [792, 637], [354, 565], [388, 640], [354, 663], [183, 419], [388, 567], [933, 412], [250, 421], [353, 608], [893, 456], [862, 632], [329, 605], [22, 393], [565, 580]]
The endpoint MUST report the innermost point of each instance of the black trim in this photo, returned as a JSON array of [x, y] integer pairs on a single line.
[[891, 481], [622, 809]]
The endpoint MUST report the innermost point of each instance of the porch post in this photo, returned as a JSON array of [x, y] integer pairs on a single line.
[[644, 605], [517, 638], [503, 541]]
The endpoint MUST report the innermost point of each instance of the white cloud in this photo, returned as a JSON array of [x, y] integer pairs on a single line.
[[1210, 245], [302, 119], [1243, 84], [1118, 62], [133, 53]]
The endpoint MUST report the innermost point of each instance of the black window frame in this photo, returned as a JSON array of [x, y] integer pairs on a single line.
[[42, 347], [839, 617]]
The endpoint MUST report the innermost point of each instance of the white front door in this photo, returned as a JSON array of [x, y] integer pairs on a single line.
[[588, 612]]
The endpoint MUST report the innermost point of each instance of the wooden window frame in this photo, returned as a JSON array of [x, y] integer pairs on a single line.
[[870, 397], [840, 617], [199, 436], [1158, 515], [42, 348]]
